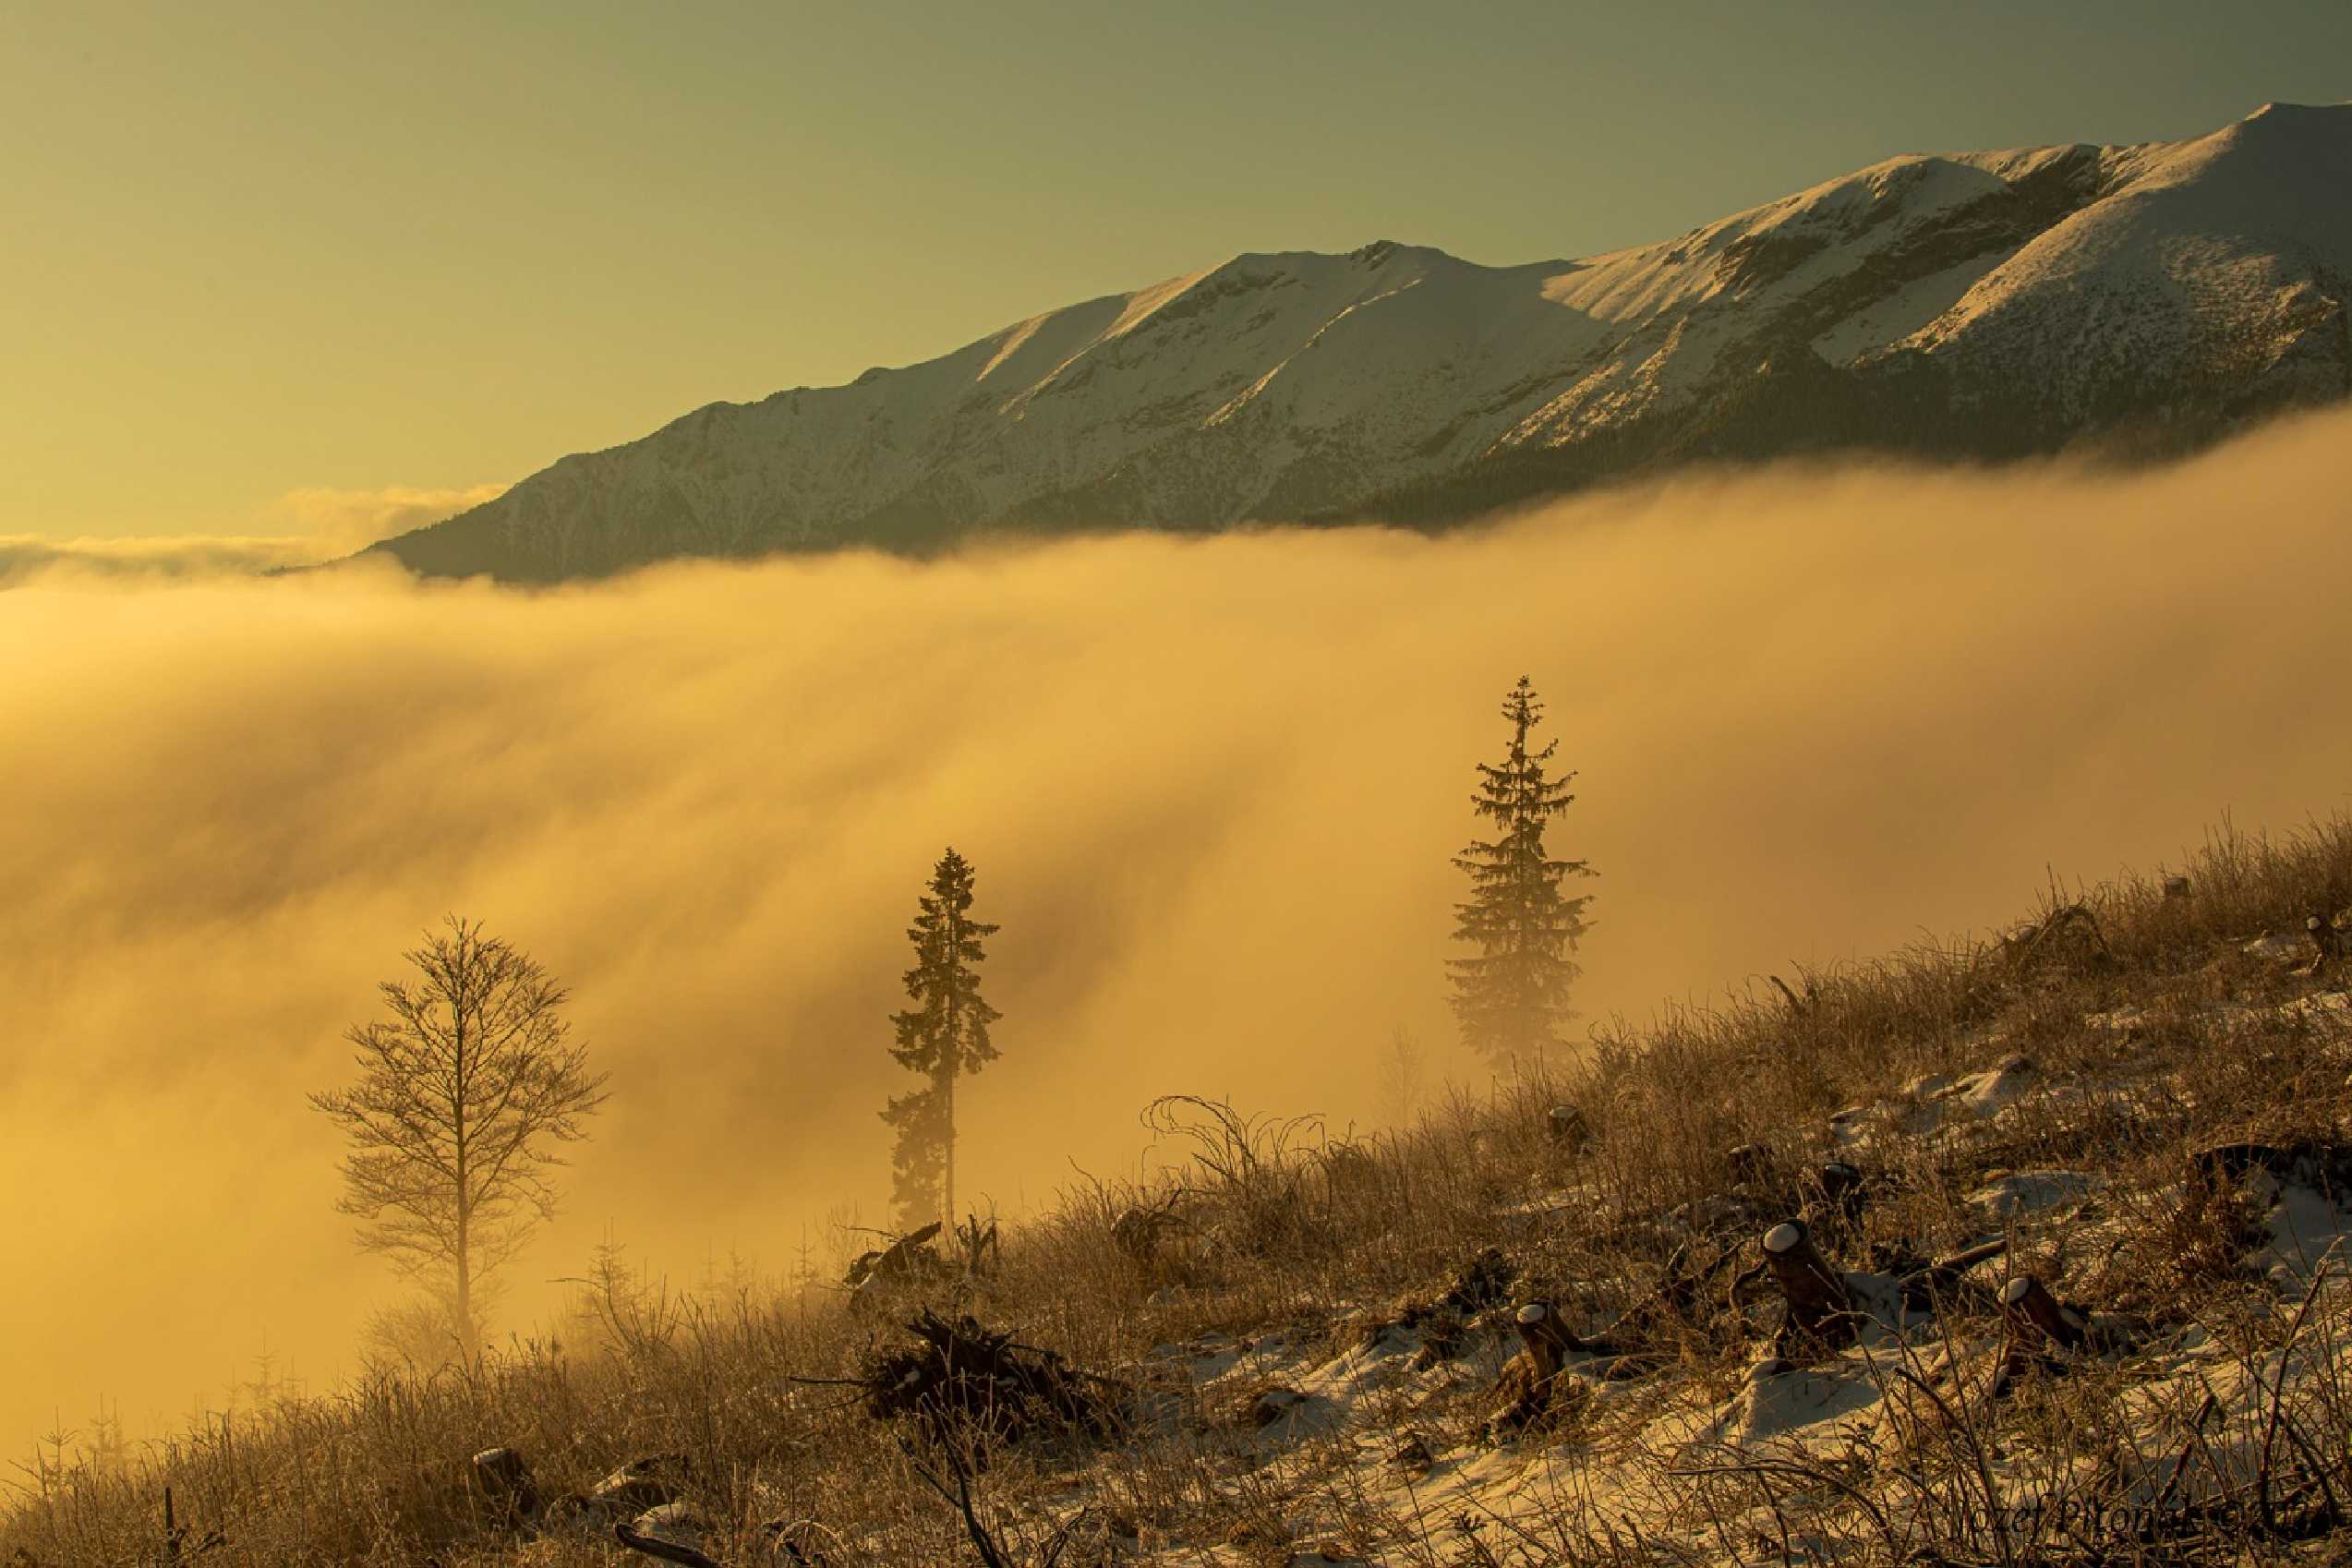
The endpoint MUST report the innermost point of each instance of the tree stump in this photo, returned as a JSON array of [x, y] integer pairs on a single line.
[[1820, 1309], [2327, 942], [1137, 1232], [1840, 1195], [1568, 1129], [1543, 1337], [2039, 1321], [2322, 1167], [505, 1482], [1413, 1456], [1530, 1379], [981, 1251], [1749, 1162], [1258, 1408], [2041, 1327]]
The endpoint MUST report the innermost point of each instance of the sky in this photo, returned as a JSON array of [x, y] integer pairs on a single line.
[[281, 269]]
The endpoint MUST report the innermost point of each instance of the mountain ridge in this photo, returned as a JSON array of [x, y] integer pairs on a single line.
[[1970, 307]]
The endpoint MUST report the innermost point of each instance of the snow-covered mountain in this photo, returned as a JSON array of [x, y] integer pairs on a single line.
[[1973, 305]]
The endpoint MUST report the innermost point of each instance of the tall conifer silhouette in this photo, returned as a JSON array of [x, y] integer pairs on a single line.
[[943, 1036], [1512, 996]]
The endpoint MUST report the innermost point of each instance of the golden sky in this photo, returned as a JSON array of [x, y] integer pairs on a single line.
[[256, 248]]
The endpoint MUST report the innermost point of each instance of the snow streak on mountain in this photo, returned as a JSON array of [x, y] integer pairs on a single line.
[[1978, 306]]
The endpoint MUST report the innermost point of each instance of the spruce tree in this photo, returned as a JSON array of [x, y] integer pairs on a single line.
[[944, 1036], [1511, 997]]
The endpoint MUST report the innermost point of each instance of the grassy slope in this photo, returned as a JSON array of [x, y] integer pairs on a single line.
[[2174, 1039]]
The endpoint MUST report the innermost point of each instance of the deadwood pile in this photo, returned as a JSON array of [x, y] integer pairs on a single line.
[[958, 1382]]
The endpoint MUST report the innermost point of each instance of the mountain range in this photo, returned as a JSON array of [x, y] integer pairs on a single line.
[[2130, 300]]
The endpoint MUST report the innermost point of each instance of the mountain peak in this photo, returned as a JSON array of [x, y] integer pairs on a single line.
[[2309, 112], [1961, 306]]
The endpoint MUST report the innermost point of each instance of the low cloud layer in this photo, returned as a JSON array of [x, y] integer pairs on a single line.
[[1211, 788], [344, 521], [301, 529]]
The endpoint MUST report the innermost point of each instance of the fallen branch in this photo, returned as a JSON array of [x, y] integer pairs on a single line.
[[983, 1540], [2033, 945], [668, 1551], [1924, 1288]]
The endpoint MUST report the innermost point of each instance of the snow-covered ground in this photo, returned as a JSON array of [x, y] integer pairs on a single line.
[[1814, 1460]]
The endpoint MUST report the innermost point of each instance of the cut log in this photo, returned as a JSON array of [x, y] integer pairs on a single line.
[[1547, 1340], [909, 1255], [637, 1486], [1820, 1309], [1942, 1281]]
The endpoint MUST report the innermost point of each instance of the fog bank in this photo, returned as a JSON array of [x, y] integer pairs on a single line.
[[1211, 788]]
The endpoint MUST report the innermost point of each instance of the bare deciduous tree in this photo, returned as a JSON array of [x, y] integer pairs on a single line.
[[464, 1093]]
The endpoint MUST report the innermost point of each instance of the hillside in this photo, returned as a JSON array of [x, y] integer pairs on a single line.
[[1972, 307], [2023, 1251]]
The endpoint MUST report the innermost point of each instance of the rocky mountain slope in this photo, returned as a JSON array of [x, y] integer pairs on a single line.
[[1969, 307]]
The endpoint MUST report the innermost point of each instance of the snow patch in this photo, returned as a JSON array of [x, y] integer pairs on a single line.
[[2024, 1195]]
